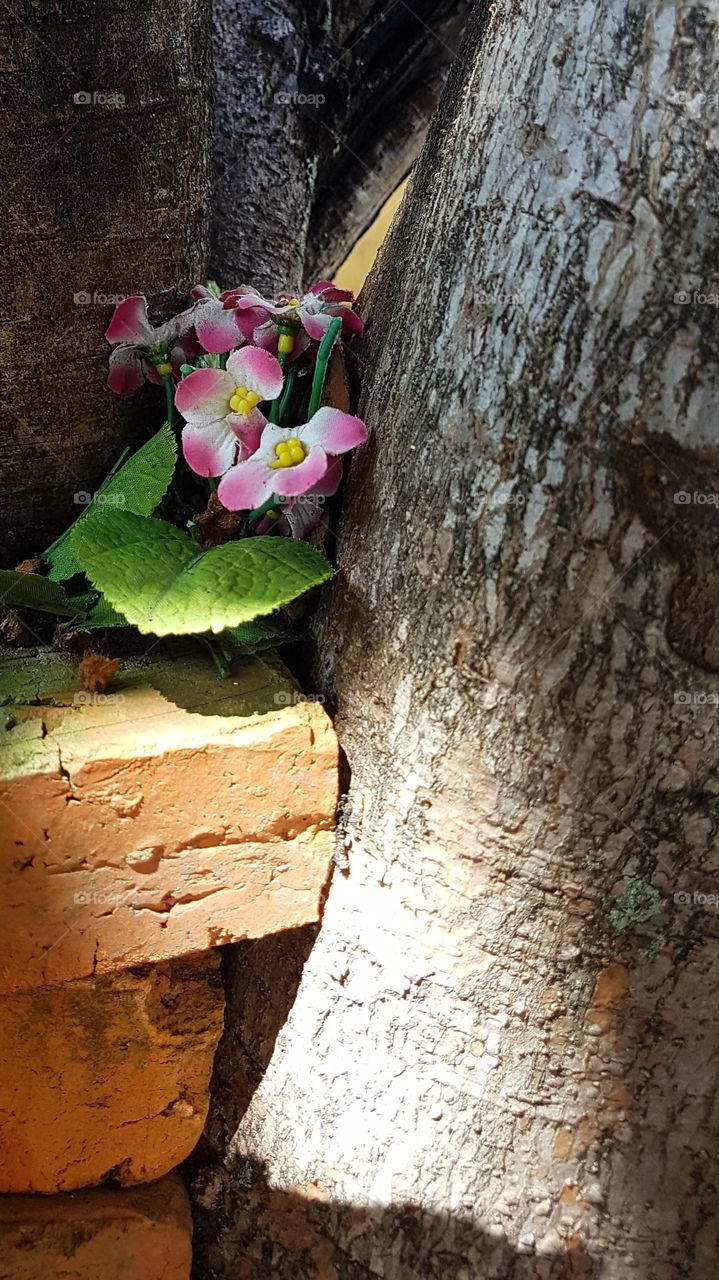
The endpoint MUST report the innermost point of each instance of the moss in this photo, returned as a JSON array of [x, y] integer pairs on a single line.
[[593, 861], [639, 902]]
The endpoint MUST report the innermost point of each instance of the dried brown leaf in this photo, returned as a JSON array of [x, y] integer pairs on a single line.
[[96, 671]]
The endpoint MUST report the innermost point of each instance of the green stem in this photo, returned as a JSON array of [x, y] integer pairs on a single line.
[[270, 504], [170, 410], [286, 395], [225, 649], [115, 468], [286, 335], [169, 397], [274, 414], [222, 668], [323, 356]]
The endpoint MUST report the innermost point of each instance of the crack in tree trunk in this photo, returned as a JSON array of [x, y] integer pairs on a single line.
[[320, 111]]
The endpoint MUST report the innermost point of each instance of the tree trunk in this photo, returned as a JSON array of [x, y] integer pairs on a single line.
[[320, 110], [392, 62], [104, 177], [264, 151], [500, 1061]]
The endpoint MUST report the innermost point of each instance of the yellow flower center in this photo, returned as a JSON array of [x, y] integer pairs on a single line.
[[288, 453], [293, 302], [243, 401]]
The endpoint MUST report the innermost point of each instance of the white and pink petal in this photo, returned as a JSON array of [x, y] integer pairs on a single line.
[[351, 322], [130, 323], [174, 328], [204, 396], [257, 370], [330, 481], [216, 327], [333, 430], [126, 370], [210, 450], [289, 482], [247, 430], [315, 323], [246, 486], [327, 291]]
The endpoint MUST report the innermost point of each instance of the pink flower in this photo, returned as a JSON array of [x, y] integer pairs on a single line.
[[216, 323], [290, 460], [220, 408], [299, 516], [135, 342], [314, 312]]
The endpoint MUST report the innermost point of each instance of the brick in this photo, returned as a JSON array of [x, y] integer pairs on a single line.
[[143, 1233], [175, 813], [106, 1078]]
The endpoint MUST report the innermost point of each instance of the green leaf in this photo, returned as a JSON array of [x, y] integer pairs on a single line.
[[138, 486], [255, 637], [165, 584], [32, 591], [102, 614]]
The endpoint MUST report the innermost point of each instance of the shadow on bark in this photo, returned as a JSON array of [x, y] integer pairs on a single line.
[[247, 1230], [260, 978]]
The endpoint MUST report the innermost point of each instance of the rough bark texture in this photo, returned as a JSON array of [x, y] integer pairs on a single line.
[[500, 1061], [264, 160], [103, 173], [320, 110], [392, 60]]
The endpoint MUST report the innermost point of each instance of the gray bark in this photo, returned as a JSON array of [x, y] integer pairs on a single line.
[[500, 1060], [264, 148], [320, 110], [101, 197]]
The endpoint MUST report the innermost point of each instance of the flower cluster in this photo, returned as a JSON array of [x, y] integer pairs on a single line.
[[243, 371]]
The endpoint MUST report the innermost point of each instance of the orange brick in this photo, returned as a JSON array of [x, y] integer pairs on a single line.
[[143, 1233], [106, 1077], [174, 813]]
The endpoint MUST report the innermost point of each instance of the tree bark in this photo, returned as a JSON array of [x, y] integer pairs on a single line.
[[104, 177], [320, 111], [393, 65], [500, 1061], [264, 149]]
